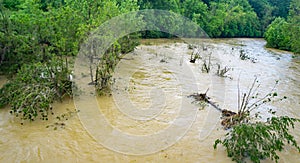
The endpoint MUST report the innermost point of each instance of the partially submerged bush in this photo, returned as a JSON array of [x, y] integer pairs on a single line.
[[222, 72], [259, 140], [255, 139], [35, 87], [110, 59], [206, 67], [243, 55], [249, 102], [105, 69]]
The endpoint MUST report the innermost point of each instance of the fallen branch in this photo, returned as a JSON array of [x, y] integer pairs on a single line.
[[230, 118], [203, 97]]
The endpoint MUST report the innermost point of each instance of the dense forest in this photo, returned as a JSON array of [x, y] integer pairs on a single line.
[[227, 18], [38, 37], [238, 18], [61, 25], [31, 28]]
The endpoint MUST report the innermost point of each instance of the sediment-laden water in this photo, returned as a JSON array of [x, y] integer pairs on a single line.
[[156, 79]]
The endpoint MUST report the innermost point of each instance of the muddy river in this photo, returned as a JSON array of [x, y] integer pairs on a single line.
[[148, 116]]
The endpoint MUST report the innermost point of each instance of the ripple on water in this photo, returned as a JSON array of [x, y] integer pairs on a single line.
[[33, 142]]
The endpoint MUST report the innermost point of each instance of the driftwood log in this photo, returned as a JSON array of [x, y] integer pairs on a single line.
[[203, 97], [229, 117]]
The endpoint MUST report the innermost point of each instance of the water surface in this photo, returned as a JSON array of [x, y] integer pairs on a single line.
[[154, 83]]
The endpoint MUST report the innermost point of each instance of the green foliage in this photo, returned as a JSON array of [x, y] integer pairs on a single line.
[[170, 5], [37, 29], [223, 18], [264, 11], [129, 42], [105, 69], [218, 18], [11, 4], [31, 35], [259, 140], [36, 36], [294, 21], [251, 138], [110, 59], [233, 19], [281, 8], [277, 34], [284, 34], [34, 32], [35, 87], [196, 11]]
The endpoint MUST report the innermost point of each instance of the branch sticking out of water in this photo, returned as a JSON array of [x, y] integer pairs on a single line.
[[245, 104], [195, 55], [222, 72], [206, 67], [202, 97]]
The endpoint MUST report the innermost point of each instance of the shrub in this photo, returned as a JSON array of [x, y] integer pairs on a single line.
[[259, 140], [35, 87]]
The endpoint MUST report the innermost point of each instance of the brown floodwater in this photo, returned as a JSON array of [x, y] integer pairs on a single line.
[[149, 101]]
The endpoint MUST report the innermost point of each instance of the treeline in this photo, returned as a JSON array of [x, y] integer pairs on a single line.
[[276, 20], [31, 30], [284, 33], [224, 18]]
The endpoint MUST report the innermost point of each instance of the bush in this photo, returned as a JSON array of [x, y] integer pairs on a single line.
[[34, 88], [259, 140]]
